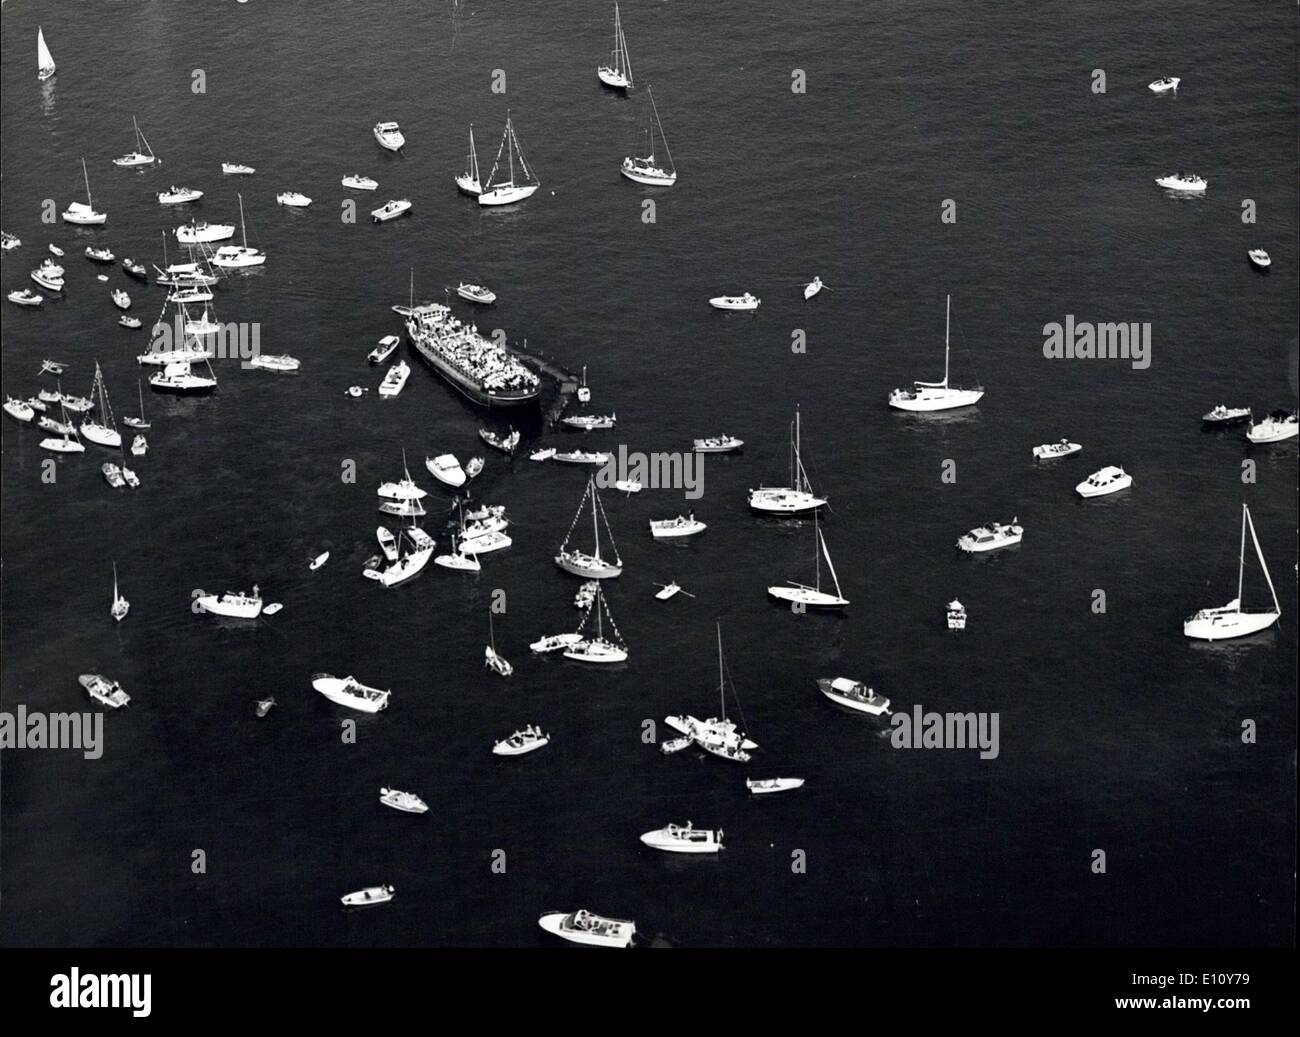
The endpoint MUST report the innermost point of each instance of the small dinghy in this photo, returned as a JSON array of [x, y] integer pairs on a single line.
[[476, 293], [525, 741], [139, 446], [237, 169], [318, 561], [389, 136], [357, 182], [991, 537], [853, 694], [55, 250], [383, 349], [264, 706], [676, 528], [408, 802], [26, 297], [1185, 183], [587, 928], [474, 467], [670, 590], [121, 300], [956, 615], [272, 609], [1063, 448], [1260, 258], [1165, 85], [178, 195], [1222, 415], [735, 302], [1110, 479], [675, 745], [763, 786], [684, 839], [370, 895], [812, 288], [99, 255], [390, 210], [293, 199]]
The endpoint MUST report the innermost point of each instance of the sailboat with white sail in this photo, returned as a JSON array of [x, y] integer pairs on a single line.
[[933, 396], [804, 597], [520, 182], [238, 257], [648, 169], [795, 499], [618, 73], [84, 215], [590, 566], [1232, 620], [137, 157], [102, 429], [468, 182], [45, 67], [120, 605], [600, 648]]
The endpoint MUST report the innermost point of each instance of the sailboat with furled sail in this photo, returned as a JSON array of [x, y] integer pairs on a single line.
[[618, 73], [599, 648], [84, 215], [520, 182], [717, 735], [802, 596], [120, 605], [102, 429], [794, 499], [137, 157], [648, 169], [1232, 620], [932, 396], [590, 566], [45, 67], [468, 182]]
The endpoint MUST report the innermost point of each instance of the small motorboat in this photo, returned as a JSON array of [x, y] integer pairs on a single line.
[[596, 457], [9, 241], [1110, 479], [590, 422], [264, 706], [389, 136], [991, 537], [735, 302], [497, 663], [555, 643], [279, 362], [525, 741], [350, 692], [407, 802], [99, 255], [764, 786], [55, 250], [113, 475], [506, 444], [1222, 415], [357, 182], [384, 349], [129, 322], [368, 896], [545, 454], [956, 615], [446, 469], [387, 542], [319, 560], [135, 269], [390, 210], [45, 275], [1260, 258], [237, 169], [121, 300], [26, 297], [684, 839], [232, 604], [1186, 183], [355, 391], [19, 410], [293, 199], [139, 446], [272, 608], [681, 526], [194, 233], [476, 293], [1164, 85], [474, 466], [178, 195], [104, 691], [670, 590], [460, 560], [1063, 448], [395, 379], [853, 694], [587, 928], [1275, 428], [585, 595], [812, 288]]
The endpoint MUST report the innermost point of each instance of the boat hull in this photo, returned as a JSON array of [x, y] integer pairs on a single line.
[[928, 401], [507, 195], [587, 567], [1225, 624], [553, 923], [652, 179], [809, 599], [468, 387]]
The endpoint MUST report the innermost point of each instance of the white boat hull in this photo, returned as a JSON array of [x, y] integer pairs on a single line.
[[586, 566], [783, 501], [927, 400], [651, 177], [807, 597], [1224, 624], [507, 194], [553, 923], [661, 840]]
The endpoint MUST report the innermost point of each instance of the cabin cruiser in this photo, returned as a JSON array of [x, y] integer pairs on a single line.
[[104, 691], [1060, 449], [476, 293], [178, 195], [369, 895], [595, 457], [236, 605], [956, 615], [722, 444], [180, 378], [545, 454], [684, 839], [1164, 85], [395, 379], [99, 255], [1275, 428], [1222, 415], [350, 692], [384, 349], [357, 182], [1260, 258], [389, 136], [446, 469], [735, 302], [293, 199], [1110, 479], [584, 927], [405, 801], [26, 297], [390, 210], [412, 563], [194, 233], [590, 422], [764, 786], [49, 276], [991, 537], [460, 559], [853, 694], [237, 169], [521, 742], [279, 362], [555, 643], [681, 526], [237, 257], [1188, 183]]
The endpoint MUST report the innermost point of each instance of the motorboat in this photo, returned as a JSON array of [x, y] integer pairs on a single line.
[[181, 378], [407, 802], [49, 276], [135, 269], [991, 537], [723, 444], [389, 136], [853, 694], [594, 457], [368, 896], [104, 691], [26, 297], [413, 562], [281, 363], [178, 195], [459, 560], [584, 927], [139, 446], [1232, 620], [585, 594], [395, 379], [357, 182], [674, 528], [233, 604], [475, 541], [1110, 479], [670, 590], [237, 169], [99, 255], [446, 469], [1275, 428], [936, 396], [684, 839], [1063, 448], [113, 475], [555, 643], [18, 410], [956, 615], [384, 349], [293, 199], [590, 422], [473, 467], [1164, 85], [387, 542], [1260, 258], [1185, 183], [506, 444], [350, 692], [133, 323], [525, 741], [544, 454], [1222, 415], [735, 302], [203, 233], [390, 210], [9, 241], [121, 299], [476, 293], [766, 786]]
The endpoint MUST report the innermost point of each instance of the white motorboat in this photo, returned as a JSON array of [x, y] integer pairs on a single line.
[[66, 443], [1232, 620], [956, 615], [384, 349], [520, 183], [1260, 258], [1275, 428], [350, 692], [1184, 183], [387, 542], [595, 647], [357, 182], [178, 195], [853, 694], [670, 590], [555, 643], [135, 269], [684, 839], [102, 429], [395, 379], [590, 422], [496, 662], [99, 255], [525, 741], [45, 276], [26, 297], [403, 489], [1164, 85], [474, 467], [129, 322], [238, 257], [293, 199], [407, 802], [113, 475], [1110, 479], [56, 251], [76, 404], [45, 67], [188, 354], [935, 396], [648, 169], [139, 446], [446, 469], [237, 169], [389, 136], [594, 457], [1063, 448], [120, 606], [19, 410], [723, 444], [104, 691], [618, 72], [802, 596], [84, 214], [412, 562], [368, 896], [766, 786], [796, 499], [507, 444], [468, 182], [476, 293], [233, 604], [735, 302], [1222, 415], [674, 528], [390, 210], [584, 927], [281, 363], [319, 560], [991, 537], [137, 157], [203, 233], [590, 566], [181, 378], [545, 454], [121, 299]]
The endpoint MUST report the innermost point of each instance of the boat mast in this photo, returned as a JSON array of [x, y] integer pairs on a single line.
[[1262, 564], [831, 566], [655, 109], [86, 176], [510, 146], [473, 154], [595, 526], [1241, 554], [946, 323], [242, 232], [722, 681]]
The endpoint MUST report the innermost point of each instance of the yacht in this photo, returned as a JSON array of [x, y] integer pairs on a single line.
[[853, 694], [180, 378], [735, 302], [766, 786], [584, 927], [991, 537], [357, 182], [120, 606], [84, 214], [681, 526], [796, 499], [800, 595], [389, 136], [350, 692], [460, 559], [520, 183], [525, 741], [178, 195], [1220, 624], [49, 276], [935, 396], [468, 182], [104, 691], [590, 422], [476, 293], [590, 566], [413, 562], [596, 457], [45, 67], [1165, 85], [370, 895], [507, 444], [446, 469], [238, 257], [618, 72], [384, 349], [1186, 183], [203, 233], [408, 802], [1110, 479], [281, 363], [649, 169], [237, 169], [135, 269], [598, 648], [390, 210], [19, 410], [555, 643], [723, 444], [684, 839], [236, 605], [1275, 428], [99, 255], [1063, 448]]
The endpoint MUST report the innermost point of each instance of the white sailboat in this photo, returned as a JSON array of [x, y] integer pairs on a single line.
[[1232, 620], [45, 66], [491, 659], [788, 500], [618, 73], [510, 190], [120, 605], [590, 566], [137, 157], [597, 649], [716, 735], [802, 595], [468, 182], [237, 257], [85, 214], [933, 396], [647, 169], [101, 430]]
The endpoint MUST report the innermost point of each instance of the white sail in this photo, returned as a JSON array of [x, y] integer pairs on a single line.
[[44, 59]]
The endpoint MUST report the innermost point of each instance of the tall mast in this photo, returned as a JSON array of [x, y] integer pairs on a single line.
[[946, 323], [595, 526], [1241, 554], [510, 146], [473, 153], [1263, 564], [411, 297], [242, 232], [722, 683], [86, 177], [655, 109], [798, 456]]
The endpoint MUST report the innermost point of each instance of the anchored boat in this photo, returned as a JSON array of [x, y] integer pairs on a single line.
[[1232, 620]]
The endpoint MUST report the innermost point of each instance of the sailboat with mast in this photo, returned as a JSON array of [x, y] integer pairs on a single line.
[[120, 605], [1232, 620], [795, 499], [45, 66], [598, 649], [618, 73], [237, 257], [137, 157], [647, 169], [491, 659], [520, 182], [716, 735], [67, 442], [101, 430], [590, 566], [468, 182], [85, 214], [803, 596], [932, 396]]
